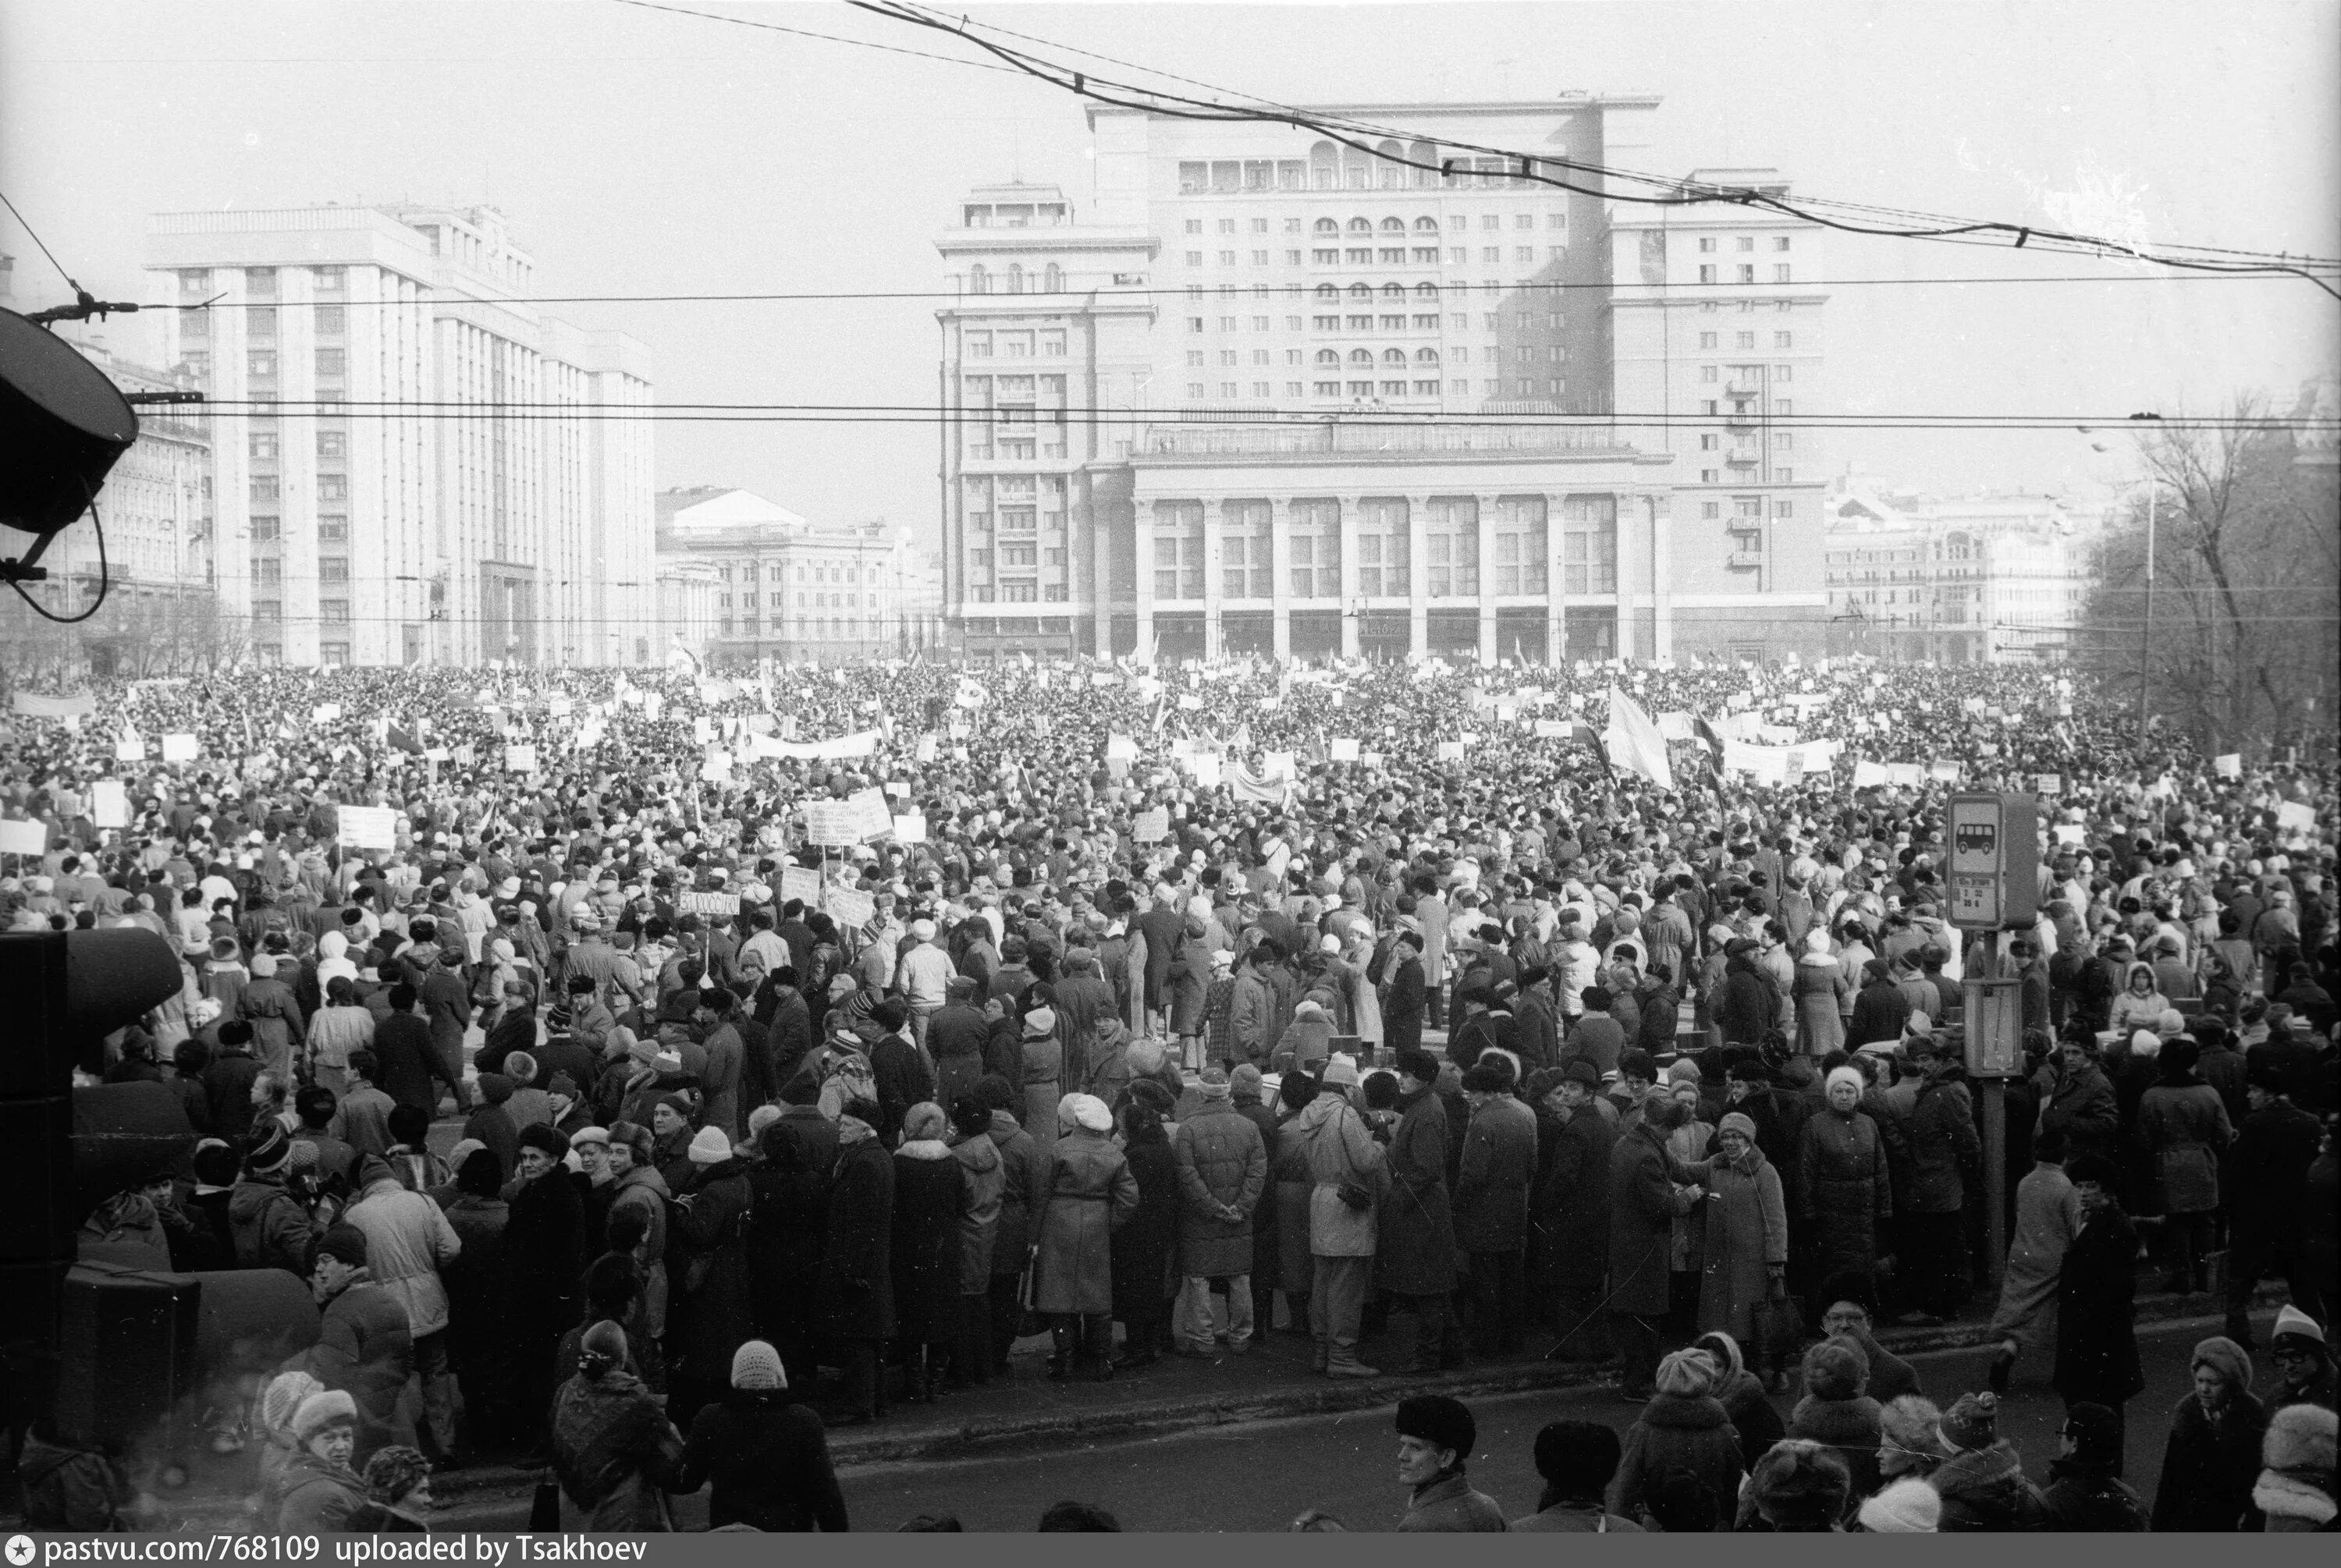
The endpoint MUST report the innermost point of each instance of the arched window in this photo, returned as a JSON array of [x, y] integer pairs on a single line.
[[1393, 356], [1361, 356], [1393, 173], [1393, 291], [1426, 225], [1328, 226], [1328, 291], [1425, 356], [1393, 225], [1328, 356], [1426, 291], [979, 279], [1361, 225], [1360, 292], [1424, 153], [1053, 280], [1015, 277], [1324, 167]]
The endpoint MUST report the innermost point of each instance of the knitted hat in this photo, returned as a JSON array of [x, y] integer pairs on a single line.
[[326, 1408], [1906, 1507], [546, 1137], [1686, 1375], [1582, 1071], [1245, 1083], [1972, 1423], [1682, 1070], [1342, 1071], [345, 1242], [2295, 1330], [392, 1473], [1834, 1371], [270, 1147], [1439, 1420], [1039, 1024], [2225, 1357], [1213, 1084], [756, 1365], [709, 1147], [283, 1396], [1846, 1074], [1736, 1122], [1086, 1112]]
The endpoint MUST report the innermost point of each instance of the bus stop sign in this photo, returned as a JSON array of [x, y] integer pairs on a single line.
[[1995, 861]]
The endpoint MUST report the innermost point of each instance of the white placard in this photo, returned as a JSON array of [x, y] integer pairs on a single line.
[[694, 902], [1868, 775], [2294, 816], [831, 823], [2230, 766], [1450, 751], [1342, 748], [2047, 784], [109, 803], [872, 816], [520, 758], [2068, 832], [325, 713], [848, 907], [912, 829], [801, 883], [178, 749], [368, 826], [1152, 826], [18, 837]]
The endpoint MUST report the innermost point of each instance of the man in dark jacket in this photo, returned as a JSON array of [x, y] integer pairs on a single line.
[[409, 1067], [1223, 1165], [2086, 1491], [2097, 1344], [364, 1347], [1492, 1197], [900, 1069], [1571, 1208], [1944, 1151], [1642, 1210], [766, 1455], [1403, 1009], [544, 1249], [227, 1081], [854, 1298], [2267, 1192], [1414, 1248]]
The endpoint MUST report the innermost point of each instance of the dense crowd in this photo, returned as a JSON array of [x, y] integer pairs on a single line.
[[695, 1065]]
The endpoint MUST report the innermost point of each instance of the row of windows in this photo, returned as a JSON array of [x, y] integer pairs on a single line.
[[1393, 255], [1015, 279], [1741, 242], [1519, 537], [1747, 340], [1716, 476], [268, 487], [1751, 377], [1782, 441], [260, 364], [1017, 593], [777, 572], [263, 441], [336, 611], [819, 600], [1520, 387], [333, 528], [270, 570], [1331, 227], [1336, 166], [261, 280], [1708, 273], [1747, 511], [832, 628], [1013, 345]]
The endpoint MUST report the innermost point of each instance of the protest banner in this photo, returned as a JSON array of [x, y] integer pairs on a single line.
[[718, 903], [911, 828], [179, 748], [367, 827], [801, 883], [19, 837], [850, 908], [520, 758], [109, 803], [1152, 826]]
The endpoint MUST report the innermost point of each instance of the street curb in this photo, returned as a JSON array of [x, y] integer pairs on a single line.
[[862, 1448]]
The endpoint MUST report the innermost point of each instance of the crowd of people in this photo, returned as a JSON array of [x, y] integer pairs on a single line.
[[699, 1063]]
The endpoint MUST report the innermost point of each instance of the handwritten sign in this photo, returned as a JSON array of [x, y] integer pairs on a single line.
[[831, 823], [368, 826], [2047, 784], [721, 904], [848, 907], [1152, 826], [873, 817], [520, 758], [2230, 766]]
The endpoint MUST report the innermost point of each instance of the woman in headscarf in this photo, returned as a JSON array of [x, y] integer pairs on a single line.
[[2140, 1006], [1042, 1075], [614, 1450], [1844, 1188], [1088, 1193], [930, 1195], [1744, 1255], [2213, 1458]]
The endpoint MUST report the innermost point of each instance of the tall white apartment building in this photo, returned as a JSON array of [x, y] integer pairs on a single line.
[[413, 463], [1265, 390]]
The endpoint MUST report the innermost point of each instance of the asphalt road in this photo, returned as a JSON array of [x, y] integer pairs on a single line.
[[1259, 1475]]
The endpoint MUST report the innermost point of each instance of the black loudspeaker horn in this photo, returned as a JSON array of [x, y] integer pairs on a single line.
[[63, 427]]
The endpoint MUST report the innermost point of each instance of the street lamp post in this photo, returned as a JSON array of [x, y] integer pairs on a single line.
[[2145, 649]]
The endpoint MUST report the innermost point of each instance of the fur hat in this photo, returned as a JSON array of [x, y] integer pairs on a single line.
[[1086, 1112], [2225, 1358], [345, 1242], [1039, 1024], [1834, 1371], [1904, 1507], [2300, 1437], [1972, 1423], [756, 1365], [326, 1408], [1686, 1375], [710, 1146], [1846, 1074], [1439, 1420], [1734, 1122], [545, 1135], [1911, 1427], [1800, 1482], [282, 1398]]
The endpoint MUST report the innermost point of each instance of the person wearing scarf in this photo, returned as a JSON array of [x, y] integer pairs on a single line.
[[614, 1451]]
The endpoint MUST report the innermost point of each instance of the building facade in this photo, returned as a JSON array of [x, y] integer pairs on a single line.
[[1969, 581], [787, 590], [414, 464], [1269, 392]]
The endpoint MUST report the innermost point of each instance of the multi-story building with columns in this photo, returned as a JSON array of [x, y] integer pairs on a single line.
[[1272, 393]]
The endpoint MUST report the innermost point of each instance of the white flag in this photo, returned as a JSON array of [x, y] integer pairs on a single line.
[[1634, 743]]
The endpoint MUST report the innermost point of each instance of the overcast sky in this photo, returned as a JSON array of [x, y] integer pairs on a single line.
[[640, 151]]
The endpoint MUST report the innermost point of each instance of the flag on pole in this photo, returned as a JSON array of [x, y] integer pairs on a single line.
[[1632, 741]]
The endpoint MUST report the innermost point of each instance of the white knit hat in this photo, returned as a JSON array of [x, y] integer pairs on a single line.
[[1909, 1506], [710, 1146], [756, 1365], [1849, 1075]]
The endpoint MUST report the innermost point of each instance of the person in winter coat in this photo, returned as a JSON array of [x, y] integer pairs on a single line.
[[408, 1242], [1435, 1436], [765, 1455], [1145, 1249], [1742, 1398], [1836, 1411], [1844, 1191], [614, 1451], [788, 1205], [1744, 1255], [479, 1285], [2294, 1492], [1944, 1147], [1683, 1428], [712, 1305], [1492, 1204], [1414, 1240], [1021, 1174], [1982, 1480], [1349, 1173], [1088, 1192], [544, 1249], [2086, 1491], [1568, 1214], [930, 1199], [2097, 1344], [1643, 1204], [2080, 1103], [983, 1179], [1222, 1166], [1823, 993], [317, 1490], [364, 1346], [1043, 1076], [1408, 999], [2048, 1217], [2140, 1006], [2304, 1367], [854, 1299], [2212, 1461], [2268, 1201], [1879, 1009], [2183, 1129], [1576, 1460], [270, 1226]]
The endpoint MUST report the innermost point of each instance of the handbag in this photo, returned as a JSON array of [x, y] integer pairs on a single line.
[[1779, 1321], [1354, 1193], [544, 1508]]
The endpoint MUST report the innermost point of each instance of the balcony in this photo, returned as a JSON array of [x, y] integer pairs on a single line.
[[1739, 457], [1741, 416], [1744, 560], [1744, 390]]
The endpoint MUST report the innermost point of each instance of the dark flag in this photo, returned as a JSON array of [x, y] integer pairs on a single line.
[[1705, 733], [405, 741]]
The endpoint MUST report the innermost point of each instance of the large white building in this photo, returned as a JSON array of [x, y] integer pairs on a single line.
[[1967, 579], [413, 464], [1266, 392], [785, 589]]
